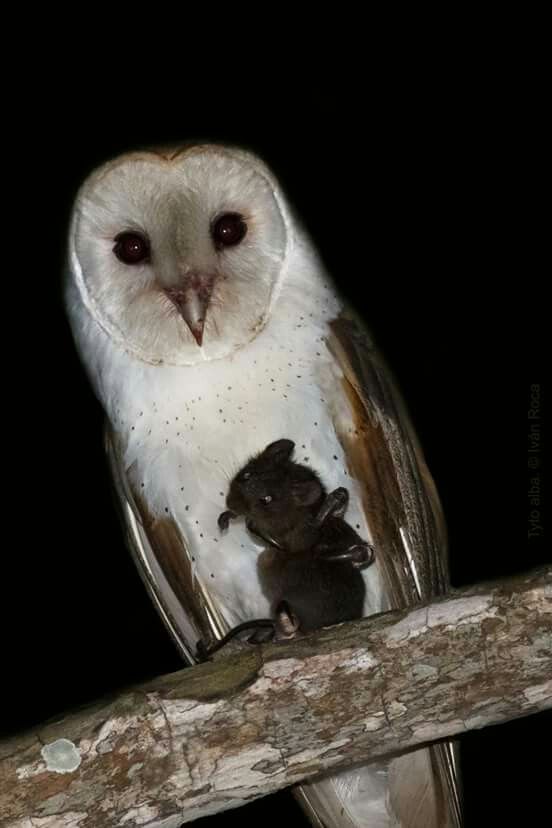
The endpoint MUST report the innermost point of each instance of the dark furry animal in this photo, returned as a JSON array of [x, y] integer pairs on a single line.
[[309, 571]]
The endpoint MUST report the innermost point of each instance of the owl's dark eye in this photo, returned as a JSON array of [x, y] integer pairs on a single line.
[[246, 476], [228, 230], [131, 248], [265, 500]]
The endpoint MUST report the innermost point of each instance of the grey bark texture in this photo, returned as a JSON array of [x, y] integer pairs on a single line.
[[217, 735]]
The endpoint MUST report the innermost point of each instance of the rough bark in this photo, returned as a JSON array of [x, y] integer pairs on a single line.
[[212, 737]]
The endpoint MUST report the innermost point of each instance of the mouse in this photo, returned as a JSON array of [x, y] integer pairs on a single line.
[[309, 568], [286, 504]]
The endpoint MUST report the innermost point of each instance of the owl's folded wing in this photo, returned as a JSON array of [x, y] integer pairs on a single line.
[[420, 789], [165, 566], [384, 455]]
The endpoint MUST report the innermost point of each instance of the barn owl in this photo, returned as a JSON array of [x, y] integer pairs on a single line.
[[209, 329]]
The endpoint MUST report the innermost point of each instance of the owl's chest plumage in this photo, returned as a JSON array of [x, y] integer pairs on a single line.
[[189, 429]]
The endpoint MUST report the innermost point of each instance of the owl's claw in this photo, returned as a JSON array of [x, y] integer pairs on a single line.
[[263, 631], [262, 635], [361, 555], [287, 622], [202, 651]]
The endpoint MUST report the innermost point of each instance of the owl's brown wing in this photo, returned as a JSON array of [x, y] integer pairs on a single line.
[[408, 532], [160, 553], [383, 452]]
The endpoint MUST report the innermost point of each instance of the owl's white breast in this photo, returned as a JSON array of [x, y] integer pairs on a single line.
[[188, 429]]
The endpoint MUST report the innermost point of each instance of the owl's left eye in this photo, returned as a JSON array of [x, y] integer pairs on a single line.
[[131, 248], [228, 230]]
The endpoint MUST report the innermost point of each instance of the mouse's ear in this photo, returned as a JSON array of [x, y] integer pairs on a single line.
[[306, 492], [279, 452]]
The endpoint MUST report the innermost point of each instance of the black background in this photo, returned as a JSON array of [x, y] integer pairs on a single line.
[[421, 208]]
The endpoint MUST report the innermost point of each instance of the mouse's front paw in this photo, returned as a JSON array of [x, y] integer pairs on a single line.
[[224, 520], [335, 505]]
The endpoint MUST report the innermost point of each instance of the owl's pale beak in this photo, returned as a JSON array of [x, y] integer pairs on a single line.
[[191, 298]]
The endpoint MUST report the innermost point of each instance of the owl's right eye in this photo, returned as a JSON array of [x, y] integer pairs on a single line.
[[131, 248], [246, 475]]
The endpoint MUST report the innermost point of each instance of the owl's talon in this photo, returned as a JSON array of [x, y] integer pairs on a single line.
[[266, 625], [262, 635], [360, 555], [287, 622], [202, 651]]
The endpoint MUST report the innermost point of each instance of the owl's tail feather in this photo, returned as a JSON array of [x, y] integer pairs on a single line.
[[405, 792], [351, 799]]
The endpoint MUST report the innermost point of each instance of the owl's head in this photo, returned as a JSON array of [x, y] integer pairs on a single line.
[[177, 254]]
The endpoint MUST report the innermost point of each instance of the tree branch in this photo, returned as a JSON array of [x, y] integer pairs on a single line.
[[212, 737]]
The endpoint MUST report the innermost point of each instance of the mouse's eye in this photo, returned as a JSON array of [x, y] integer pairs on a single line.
[[246, 476], [265, 500]]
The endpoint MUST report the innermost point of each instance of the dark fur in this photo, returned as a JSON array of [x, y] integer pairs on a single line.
[[303, 533]]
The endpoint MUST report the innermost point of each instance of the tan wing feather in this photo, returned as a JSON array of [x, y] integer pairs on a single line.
[[158, 543], [409, 533], [386, 456]]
